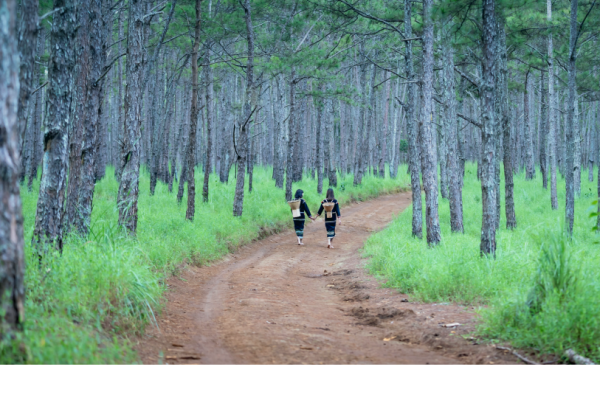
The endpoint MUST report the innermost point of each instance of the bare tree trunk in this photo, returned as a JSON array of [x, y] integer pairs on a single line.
[[49, 214], [27, 29], [413, 146], [361, 131], [280, 131], [330, 142], [191, 147], [429, 167], [528, 137], [80, 94], [12, 266], [544, 132], [291, 139], [488, 193], [576, 149], [504, 127], [118, 135], [449, 125], [238, 201], [31, 163], [570, 128], [208, 77], [93, 117], [551, 114], [319, 140], [127, 197]]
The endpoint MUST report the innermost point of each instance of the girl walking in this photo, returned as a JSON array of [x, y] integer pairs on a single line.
[[299, 221], [331, 217]]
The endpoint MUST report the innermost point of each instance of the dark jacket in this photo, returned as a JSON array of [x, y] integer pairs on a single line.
[[303, 210], [335, 212]]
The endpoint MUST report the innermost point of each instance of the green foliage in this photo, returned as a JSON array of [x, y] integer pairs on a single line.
[[541, 288], [84, 305]]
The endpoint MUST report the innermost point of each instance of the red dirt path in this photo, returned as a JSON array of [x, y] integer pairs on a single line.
[[274, 302]]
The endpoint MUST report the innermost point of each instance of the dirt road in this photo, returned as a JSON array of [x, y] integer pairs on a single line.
[[274, 302]]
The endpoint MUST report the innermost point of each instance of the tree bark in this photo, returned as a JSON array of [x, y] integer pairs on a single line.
[[118, 135], [12, 264], [319, 140], [429, 167], [528, 137], [413, 146], [27, 30], [49, 214], [291, 139], [242, 145], [488, 193], [450, 126], [570, 128], [551, 114], [280, 131], [191, 147], [330, 142], [576, 148], [208, 77], [127, 197], [362, 131], [544, 132]]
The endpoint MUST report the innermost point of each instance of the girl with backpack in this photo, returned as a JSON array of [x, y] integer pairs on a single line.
[[332, 215]]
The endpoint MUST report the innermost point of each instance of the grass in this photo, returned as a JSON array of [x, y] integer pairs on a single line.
[[84, 305], [539, 292]]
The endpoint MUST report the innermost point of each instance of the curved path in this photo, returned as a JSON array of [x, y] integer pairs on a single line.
[[274, 302]]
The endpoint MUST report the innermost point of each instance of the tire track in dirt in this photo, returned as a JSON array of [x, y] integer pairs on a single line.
[[274, 302]]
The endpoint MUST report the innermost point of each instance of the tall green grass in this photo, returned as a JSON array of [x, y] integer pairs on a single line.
[[541, 288], [82, 306]]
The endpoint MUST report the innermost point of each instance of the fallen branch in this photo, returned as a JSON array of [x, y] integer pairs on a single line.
[[577, 359], [520, 357]]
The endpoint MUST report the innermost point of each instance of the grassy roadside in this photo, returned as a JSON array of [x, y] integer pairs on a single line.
[[542, 288], [82, 306]]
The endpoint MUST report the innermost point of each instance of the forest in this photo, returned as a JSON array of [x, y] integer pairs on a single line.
[[143, 140]]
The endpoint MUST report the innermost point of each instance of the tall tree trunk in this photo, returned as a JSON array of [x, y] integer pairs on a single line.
[[280, 131], [208, 77], [12, 266], [449, 125], [576, 148], [429, 167], [49, 214], [330, 142], [127, 197], [27, 30], [488, 193], [191, 147], [544, 131], [291, 153], [319, 140], [529, 159], [118, 135], [570, 128], [343, 135], [238, 201], [361, 132], [413, 146], [384, 132], [504, 126], [551, 114], [31, 163], [93, 117], [80, 94]]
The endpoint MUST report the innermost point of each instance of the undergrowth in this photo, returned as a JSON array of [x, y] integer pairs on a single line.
[[540, 291], [82, 306]]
